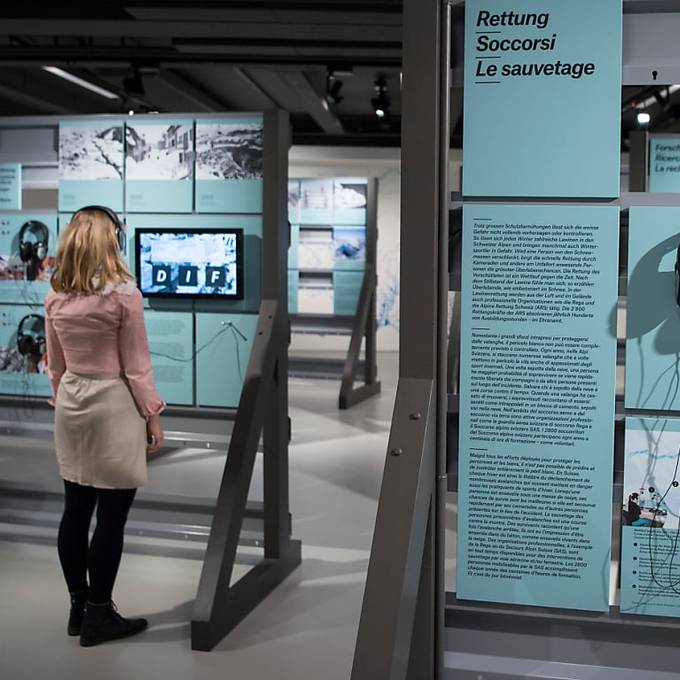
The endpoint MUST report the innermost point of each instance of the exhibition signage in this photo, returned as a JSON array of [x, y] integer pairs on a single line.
[[653, 310], [229, 165], [538, 378], [91, 164], [664, 164], [10, 186], [542, 98], [159, 165], [650, 540]]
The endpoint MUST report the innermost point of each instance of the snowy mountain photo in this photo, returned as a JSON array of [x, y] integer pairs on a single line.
[[91, 152]]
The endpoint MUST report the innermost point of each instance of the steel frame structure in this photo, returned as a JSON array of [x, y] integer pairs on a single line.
[[406, 631]]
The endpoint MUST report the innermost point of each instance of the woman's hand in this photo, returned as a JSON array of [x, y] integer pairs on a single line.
[[154, 434]]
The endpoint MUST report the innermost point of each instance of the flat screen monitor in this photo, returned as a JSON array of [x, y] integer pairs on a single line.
[[191, 263]]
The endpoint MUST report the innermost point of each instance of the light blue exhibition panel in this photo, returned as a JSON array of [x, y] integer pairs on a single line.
[[650, 563], [171, 345], [20, 375], [223, 344], [159, 165], [664, 164], [293, 283], [28, 281], [10, 186], [542, 98], [91, 164], [294, 196], [316, 201], [293, 250], [346, 291], [653, 315], [350, 197], [252, 232], [229, 165], [538, 378], [349, 248]]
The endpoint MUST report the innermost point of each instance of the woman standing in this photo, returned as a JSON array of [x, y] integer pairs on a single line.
[[107, 413]]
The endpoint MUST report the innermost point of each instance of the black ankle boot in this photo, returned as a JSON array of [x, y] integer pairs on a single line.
[[102, 623], [75, 618]]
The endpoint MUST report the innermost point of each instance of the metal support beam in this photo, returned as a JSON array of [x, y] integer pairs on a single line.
[[185, 88], [263, 410], [399, 632], [312, 102]]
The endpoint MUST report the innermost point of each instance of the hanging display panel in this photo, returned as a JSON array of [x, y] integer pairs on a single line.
[[316, 201], [664, 164], [28, 242], [223, 344], [542, 98], [229, 165], [171, 345], [159, 165], [650, 536], [350, 197], [653, 309], [10, 186], [537, 393], [91, 164], [22, 351]]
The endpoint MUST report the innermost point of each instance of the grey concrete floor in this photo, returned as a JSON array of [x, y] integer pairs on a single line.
[[305, 630]]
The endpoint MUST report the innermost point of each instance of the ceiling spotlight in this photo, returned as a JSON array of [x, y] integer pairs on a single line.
[[381, 102], [643, 118], [133, 84], [333, 87]]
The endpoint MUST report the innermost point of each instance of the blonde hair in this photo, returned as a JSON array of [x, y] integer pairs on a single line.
[[88, 256]]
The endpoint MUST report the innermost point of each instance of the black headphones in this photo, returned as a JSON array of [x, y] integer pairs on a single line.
[[33, 251], [31, 342], [121, 236]]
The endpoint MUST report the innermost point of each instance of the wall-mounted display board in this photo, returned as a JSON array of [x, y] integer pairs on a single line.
[[159, 165], [537, 391], [10, 186], [545, 72], [171, 344], [22, 346], [350, 200], [27, 245], [251, 225], [91, 164], [653, 309], [349, 248], [229, 165], [223, 344], [650, 540], [664, 164]]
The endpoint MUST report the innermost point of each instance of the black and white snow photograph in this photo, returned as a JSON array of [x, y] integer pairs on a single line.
[[348, 195], [161, 151], [228, 150], [91, 152]]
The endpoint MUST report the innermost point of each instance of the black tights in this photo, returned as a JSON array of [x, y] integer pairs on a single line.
[[102, 557]]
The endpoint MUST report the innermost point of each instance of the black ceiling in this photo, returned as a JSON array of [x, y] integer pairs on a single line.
[[205, 56], [211, 56]]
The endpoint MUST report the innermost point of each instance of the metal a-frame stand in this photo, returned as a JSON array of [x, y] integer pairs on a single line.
[[263, 410], [400, 631]]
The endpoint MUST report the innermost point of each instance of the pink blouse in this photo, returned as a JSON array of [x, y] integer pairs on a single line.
[[101, 334]]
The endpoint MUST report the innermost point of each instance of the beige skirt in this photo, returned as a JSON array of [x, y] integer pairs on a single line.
[[99, 435]]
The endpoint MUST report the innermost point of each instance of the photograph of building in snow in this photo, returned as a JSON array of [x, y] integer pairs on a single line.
[[228, 150], [91, 152], [161, 151]]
